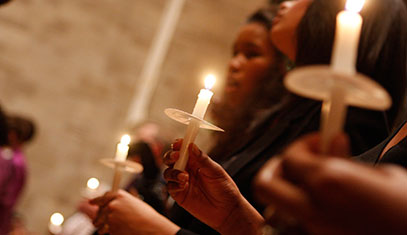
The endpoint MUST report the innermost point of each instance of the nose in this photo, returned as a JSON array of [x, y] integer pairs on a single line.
[[236, 62]]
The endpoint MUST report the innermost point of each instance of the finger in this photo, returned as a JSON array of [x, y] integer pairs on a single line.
[[288, 198], [101, 217], [171, 157], [264, 177], [200, 163], [340, 146], [176, 146], [103, 229], [174, 188], [103, 200], [177, 176]]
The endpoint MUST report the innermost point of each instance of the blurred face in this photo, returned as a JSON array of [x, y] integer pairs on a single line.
[[285, 24], [251, 63]]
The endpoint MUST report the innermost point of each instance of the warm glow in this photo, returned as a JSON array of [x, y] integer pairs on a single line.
[[57, 219], [210, 81], [125, 139], [355, 5], [93, 183]]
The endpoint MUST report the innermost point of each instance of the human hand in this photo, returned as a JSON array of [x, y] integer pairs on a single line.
[[124, 214], [207, 191], [331, 195], [87, 208]]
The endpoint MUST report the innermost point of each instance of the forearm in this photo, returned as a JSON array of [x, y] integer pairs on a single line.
[[244, 219]]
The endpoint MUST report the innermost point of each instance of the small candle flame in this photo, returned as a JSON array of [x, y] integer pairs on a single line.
[[355, 5], [125, 139], [93, 183], [57, 219], [210, 81]]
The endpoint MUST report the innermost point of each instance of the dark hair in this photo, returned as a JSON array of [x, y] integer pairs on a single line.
[[263, 16], [143, 150], [382, 48], [4, 1], [23, 127]]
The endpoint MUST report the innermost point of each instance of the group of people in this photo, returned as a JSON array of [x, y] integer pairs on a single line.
[[265, 174]]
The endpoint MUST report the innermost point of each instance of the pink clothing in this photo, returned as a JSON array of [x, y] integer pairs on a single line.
[[12, 179]]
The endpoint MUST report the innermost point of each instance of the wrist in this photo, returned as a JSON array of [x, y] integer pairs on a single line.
[[243, 219]]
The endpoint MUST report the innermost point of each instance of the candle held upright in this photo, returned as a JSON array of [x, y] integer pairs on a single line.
[[201, 105], [121, 155], [344, 58], [347, 36]]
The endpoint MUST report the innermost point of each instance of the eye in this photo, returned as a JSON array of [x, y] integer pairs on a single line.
[[252, 54]]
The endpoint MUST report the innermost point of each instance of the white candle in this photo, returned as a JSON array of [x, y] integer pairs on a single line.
[[201, 105], [344, 55], [122, 148], [348, 29], [333, 117], [121, 155], [92, 188], [55, 223]]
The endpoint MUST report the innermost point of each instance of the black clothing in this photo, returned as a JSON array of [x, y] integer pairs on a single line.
[[395, 155], [299, 117]]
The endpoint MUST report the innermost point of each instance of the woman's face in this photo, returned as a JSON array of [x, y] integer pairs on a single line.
[[250, 64], [285, 24]]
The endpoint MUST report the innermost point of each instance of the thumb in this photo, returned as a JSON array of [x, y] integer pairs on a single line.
[[340, 146]]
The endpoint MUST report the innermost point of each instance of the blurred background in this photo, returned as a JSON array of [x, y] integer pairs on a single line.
[[76, 66]]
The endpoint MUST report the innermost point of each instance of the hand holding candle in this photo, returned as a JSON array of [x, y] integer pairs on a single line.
[[204, 98]]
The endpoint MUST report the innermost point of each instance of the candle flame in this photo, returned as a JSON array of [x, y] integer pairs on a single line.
[[355, 5], [210, 81], [93, 183], [57, 219], [125, 139]]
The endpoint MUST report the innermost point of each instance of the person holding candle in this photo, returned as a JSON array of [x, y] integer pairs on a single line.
[[299, 117], [254, 87], [311, 26], [360, 123]]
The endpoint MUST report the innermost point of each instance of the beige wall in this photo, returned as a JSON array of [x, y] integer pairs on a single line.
[[73, 66]]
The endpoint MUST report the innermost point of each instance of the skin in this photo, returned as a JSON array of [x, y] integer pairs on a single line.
[[285, 24], [123, 214], [329, 194], [206, 191], [250, 64]]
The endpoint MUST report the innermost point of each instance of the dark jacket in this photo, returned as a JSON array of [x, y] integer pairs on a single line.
[[395, 155], [299, 117]]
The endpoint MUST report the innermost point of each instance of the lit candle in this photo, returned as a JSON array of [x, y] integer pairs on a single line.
[[55, 223], [201, 105], [121, 155], [122, 148], [344, 55], [92, 188], [348, 28]]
